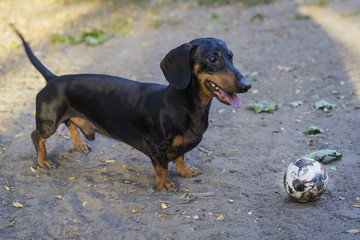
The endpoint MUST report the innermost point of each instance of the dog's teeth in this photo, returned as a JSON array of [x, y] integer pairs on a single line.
[[213, 85], [217, 88]]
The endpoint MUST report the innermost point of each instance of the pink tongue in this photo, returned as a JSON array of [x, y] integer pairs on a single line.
[[234, 100], [226, 98]]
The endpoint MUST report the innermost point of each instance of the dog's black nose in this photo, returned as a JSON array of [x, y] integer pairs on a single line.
[[244, 85]]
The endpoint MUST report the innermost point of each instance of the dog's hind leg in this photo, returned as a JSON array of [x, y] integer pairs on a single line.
[[39, 143], [79, 144]]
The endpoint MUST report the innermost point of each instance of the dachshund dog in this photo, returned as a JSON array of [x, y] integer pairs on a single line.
[[162, 121]]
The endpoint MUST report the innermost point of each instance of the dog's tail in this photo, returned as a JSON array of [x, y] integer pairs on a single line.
[[34, 60]]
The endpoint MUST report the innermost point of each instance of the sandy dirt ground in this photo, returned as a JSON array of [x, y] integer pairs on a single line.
[[297, 52]]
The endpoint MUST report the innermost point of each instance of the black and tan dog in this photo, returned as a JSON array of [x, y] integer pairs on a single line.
[[163, 122]]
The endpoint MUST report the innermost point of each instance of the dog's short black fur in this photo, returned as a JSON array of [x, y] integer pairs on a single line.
[[163, 122]]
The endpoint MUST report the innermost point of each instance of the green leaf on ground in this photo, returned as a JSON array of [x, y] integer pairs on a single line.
[[322, 104], [262, 106], [325, 156], [296, 104], [95, 37], [312, 130]]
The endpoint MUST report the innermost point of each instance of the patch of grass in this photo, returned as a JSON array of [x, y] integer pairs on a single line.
[[212, 2], [95, 37], [247, 3], [353, 14], [158, 22], [317, 3], [300, 16], [258, 16], [214, 16], [121, 25], [250, 3]]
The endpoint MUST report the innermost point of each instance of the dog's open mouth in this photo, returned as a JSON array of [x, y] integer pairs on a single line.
[[223, 96]]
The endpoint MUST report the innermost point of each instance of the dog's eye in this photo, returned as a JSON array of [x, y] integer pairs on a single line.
[[212, 59]]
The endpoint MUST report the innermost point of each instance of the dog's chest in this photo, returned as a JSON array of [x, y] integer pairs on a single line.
[[183, 143]]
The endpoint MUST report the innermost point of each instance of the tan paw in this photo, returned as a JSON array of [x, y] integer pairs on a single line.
[[166, 184], [45, 162], [82, 147], [188, 171]]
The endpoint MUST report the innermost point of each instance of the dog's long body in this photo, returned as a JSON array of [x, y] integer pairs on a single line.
[[163, 122]]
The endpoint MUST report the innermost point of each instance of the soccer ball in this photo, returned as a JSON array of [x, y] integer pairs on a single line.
[[305, 180]]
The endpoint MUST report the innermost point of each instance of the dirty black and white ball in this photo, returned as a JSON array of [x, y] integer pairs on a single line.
[[305, 180]]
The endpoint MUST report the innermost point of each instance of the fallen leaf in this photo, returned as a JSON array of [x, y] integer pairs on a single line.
[[18, 205], [6, 188], [58, 197], [296, 104], [19, 135], [231, 201], [12, 45], [134, 211], [32, 169], [262, 106], [162, 215], [312, 130], [110, 161], [256, 221], [355, 206], [163, 206], [353, 231], [325, 156], [357, 199], [84, 203], [322, 104], [284, 69], [132, 190], [72, 178], [220, 218]]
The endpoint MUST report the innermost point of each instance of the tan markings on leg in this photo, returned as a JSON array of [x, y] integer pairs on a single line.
[[185, 170], [163, 180], [177, 141], [42, 159], [79, 144]]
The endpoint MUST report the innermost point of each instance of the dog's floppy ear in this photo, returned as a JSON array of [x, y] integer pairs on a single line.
[[176, 66]]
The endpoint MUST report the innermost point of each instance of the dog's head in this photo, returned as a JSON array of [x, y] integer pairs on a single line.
[[209, 61]]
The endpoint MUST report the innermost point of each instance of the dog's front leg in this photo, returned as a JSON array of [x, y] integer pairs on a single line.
[[163, 180], [185, 170]]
